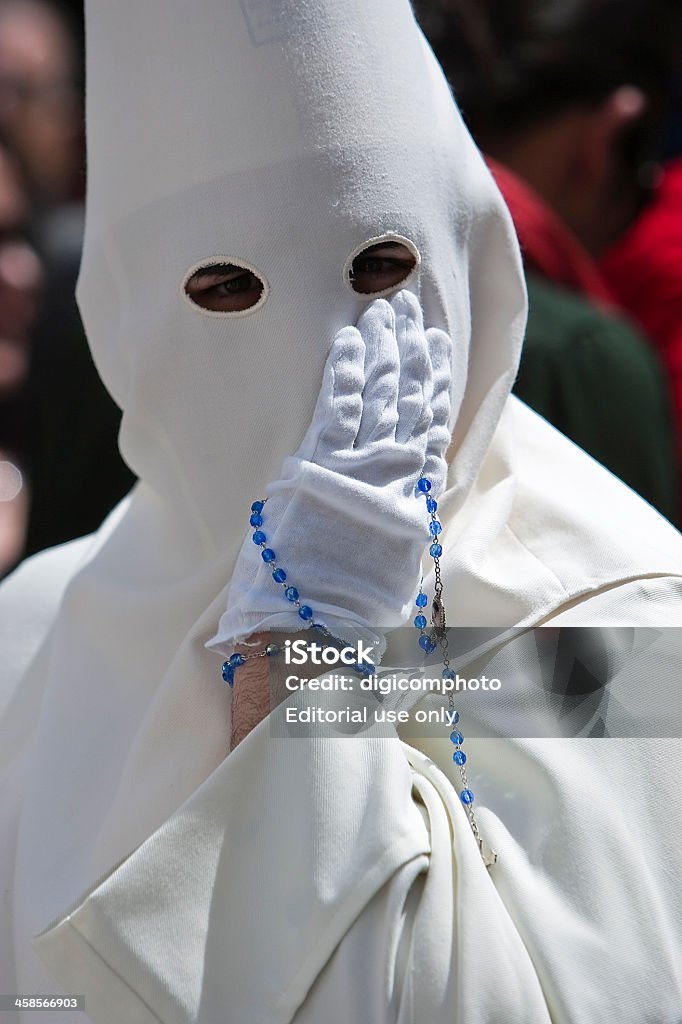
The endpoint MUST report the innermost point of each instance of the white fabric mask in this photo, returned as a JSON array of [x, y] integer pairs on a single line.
[[302, 133]]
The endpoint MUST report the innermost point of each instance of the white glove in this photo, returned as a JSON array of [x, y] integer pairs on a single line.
[[344, 520]]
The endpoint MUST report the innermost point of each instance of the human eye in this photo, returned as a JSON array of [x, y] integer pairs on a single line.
[[381, 267], [224, 288]]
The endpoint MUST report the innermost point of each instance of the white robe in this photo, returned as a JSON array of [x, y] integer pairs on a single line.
[[337, 879]]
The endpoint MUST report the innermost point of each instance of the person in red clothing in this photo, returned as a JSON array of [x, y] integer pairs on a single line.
[[644, 271]]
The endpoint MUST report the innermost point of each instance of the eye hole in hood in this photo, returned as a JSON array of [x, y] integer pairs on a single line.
[[224, 286], [382, 264]]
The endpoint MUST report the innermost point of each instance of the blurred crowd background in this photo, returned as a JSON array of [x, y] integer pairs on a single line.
[[577, 107], [60, 471]]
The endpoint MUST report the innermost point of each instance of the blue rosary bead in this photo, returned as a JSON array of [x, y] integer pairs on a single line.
[[457, 738], [435, 551], [466, 796], [427, 644], [364, 668], [268, 555], [256, 519], [459, 757], [236, 660], [434, 527], [259, 537], [422, 600], [305, 612], [431, 505], [228, 673], [291, 594], [449, 673], [257, 506], [424, 485], [420, 622], [279, 575], [454, 717]]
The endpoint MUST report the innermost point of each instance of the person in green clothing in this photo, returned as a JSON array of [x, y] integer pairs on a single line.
[[567, 135], [590, 374]]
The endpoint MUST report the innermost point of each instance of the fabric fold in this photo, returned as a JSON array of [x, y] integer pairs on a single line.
[[175, 927]]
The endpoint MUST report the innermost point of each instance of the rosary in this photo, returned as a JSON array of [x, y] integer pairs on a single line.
[[430, 638]]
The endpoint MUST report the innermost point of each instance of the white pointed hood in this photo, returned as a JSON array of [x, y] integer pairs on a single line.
[[286, 136]]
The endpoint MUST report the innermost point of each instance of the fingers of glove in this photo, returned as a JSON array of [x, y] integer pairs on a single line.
[[338, 410], [440, 352], [382, 371], [415, 385]]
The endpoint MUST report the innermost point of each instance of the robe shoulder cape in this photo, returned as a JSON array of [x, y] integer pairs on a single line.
[[337, 879]]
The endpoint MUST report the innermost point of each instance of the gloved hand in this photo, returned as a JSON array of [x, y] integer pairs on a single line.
[[343, 519]]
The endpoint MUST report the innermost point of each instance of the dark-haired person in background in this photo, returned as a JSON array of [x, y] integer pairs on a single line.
[[566, 99], [21, 279], [69, 424], [39, 98]]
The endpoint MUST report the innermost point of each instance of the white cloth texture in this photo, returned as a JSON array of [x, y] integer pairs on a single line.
[[168, 881], [344, 516]]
